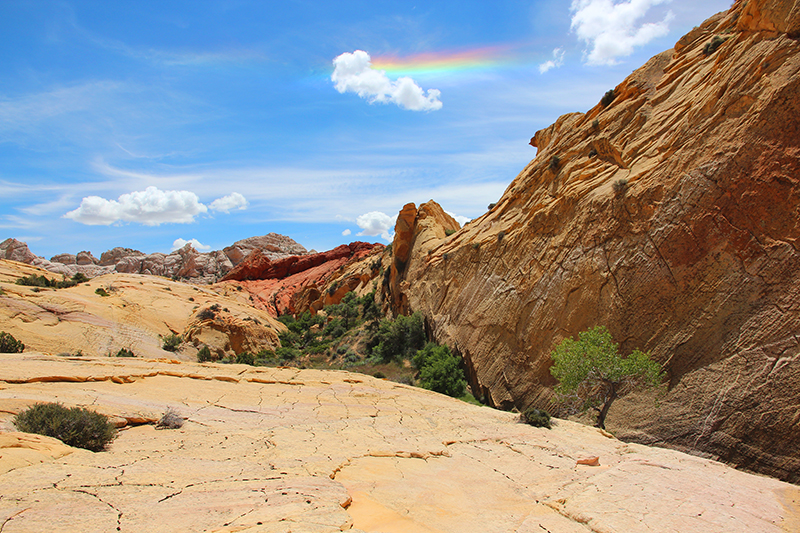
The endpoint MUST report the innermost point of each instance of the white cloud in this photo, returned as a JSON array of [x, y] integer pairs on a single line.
[[151, 207], [346, 232], [557, 61], [197, 245], [460, 219], [612, 30], [354, 73], [226, 204], [376, 223]]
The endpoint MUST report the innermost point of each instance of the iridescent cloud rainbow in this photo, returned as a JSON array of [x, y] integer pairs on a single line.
[[433, 63]]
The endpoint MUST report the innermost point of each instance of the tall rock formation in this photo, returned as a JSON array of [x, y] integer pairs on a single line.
[[672, 216]]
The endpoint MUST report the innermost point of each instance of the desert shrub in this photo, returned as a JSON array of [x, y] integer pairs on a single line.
[[36, 281], [500, 236], [80, 277], [170, 420], [536, 418], [476, 245], [171, 342], [398, 339], [449, 232], [8, 344], [206, 314], [712, 45], [607, 98], [555, 162], [620, 186], [596, 124], [101, 291], [592, 153], [446, 256], [440, 370], [379, 375], [73, 426], [245, 358], [287, 353], [124, 352], [204, 355], [492, 205], [335, 329]]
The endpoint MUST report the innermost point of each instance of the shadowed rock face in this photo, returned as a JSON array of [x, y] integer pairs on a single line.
[[672, 218]]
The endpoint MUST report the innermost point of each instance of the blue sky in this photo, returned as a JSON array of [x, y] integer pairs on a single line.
[[149, 124]]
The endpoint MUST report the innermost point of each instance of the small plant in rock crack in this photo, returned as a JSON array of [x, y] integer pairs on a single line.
[[170, 420]]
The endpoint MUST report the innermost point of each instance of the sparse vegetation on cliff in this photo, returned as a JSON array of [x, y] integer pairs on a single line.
[[74, 426], [41, 281], [607, 98], [712, 45], [171, 342], [8, 344], [536, 418], [592, 373]]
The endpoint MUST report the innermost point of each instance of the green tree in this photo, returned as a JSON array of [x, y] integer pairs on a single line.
[[399, 339], [440, 370], [592, 373], [347, 309], [8, 344]]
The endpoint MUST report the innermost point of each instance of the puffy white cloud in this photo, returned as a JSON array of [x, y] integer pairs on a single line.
[[226, 204], [197, 245], [612, 30], [557, 61], [150, 207], [354, 73], [346, 232], [460, 219], [376, 223]]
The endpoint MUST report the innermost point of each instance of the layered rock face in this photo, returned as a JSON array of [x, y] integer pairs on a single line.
[[186, 263], [307, 283], [131, 311], [671, 216], [279, 450]]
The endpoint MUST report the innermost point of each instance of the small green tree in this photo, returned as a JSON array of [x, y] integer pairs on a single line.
[[171, 342], [440, 370], [204, 354], [592, 374]]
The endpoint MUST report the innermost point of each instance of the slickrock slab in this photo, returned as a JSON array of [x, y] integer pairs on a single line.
[[279, 450]]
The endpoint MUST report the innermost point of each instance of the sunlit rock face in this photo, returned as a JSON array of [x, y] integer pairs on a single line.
[[671, 216], [275, 450]]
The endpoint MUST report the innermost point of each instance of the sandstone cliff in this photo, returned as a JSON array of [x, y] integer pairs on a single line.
[[276, 450], [132, 313], [672, 216], [186, 263]]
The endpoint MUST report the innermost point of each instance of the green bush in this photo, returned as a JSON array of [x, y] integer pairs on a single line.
[[536, 418], [8, 344], [100, 291], [607, 98], [171, 342], [398, 339], [204, 355], [41, 281], [245, 358], [286, 353], [124, 352], [492, 205], [440, 370], [555, 162], [620, 186], [73, 426], [449, 232], [712, 45]]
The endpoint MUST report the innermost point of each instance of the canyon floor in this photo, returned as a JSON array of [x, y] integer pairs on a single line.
[[283, 449]]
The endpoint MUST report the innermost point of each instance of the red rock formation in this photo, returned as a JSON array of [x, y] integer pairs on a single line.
[[673, 218], [275, 284]]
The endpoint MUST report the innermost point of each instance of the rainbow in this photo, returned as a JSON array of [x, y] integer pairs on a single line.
[[434, 63]]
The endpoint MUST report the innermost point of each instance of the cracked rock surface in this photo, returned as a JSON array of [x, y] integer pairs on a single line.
[[280, 450]]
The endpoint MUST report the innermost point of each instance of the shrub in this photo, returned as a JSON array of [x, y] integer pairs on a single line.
[[536, 418], [593, 153], [449, 232], [36, 281], [101, 291], [379, 375], [204, 355], [500, 236], [607, 98], [440, 370], [491, 205], [80, 277], [124, 352], [476, 245], [620, 186], [596, 124], [8, 344], [73, 426], [171, 342], [398, 339], [286, 353], [712, 45], [170, 420], [206, 314], [555, 162], [245, 358]]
